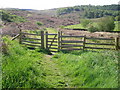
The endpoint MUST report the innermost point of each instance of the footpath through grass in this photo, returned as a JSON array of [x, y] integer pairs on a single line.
[[89, 69], [25, 68], [53, 73]]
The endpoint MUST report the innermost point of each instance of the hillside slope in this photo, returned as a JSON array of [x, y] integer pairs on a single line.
[[32, 18]]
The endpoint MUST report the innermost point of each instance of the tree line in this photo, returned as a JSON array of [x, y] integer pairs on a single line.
[[91, 11]]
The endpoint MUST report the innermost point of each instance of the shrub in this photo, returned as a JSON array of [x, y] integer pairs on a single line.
[[39, 23], [92, 28], [85, 22]]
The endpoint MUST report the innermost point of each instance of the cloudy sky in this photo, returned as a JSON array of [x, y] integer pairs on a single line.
[[48, 4]]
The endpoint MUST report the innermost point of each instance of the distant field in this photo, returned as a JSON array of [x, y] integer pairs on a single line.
[[79, 26], [117, 26]]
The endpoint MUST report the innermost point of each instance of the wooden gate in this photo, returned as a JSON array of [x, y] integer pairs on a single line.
[[32, 38], [51, 42]]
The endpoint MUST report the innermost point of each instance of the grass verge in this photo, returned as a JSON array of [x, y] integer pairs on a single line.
[[21, 67], [90, 69]]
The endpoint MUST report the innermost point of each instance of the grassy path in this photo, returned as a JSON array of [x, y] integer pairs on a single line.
[[53, 74]]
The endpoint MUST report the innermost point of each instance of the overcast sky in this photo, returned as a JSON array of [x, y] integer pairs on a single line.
[[48, 4]]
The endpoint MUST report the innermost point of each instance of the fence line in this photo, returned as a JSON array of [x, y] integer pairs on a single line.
[[83, 43], [77, 43]]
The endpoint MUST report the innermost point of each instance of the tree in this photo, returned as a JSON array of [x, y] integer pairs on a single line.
[[106, 24]]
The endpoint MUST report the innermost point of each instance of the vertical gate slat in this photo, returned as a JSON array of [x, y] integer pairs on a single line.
[[58, 41], [84, 41], [47, 40], [42, 39]]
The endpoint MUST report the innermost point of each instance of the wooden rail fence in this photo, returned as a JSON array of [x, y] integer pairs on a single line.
[[61, 42]]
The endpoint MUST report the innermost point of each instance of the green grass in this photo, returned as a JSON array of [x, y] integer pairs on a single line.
[[117, 26], [77, 26], [89, 69], [21, 67], [51, 30]]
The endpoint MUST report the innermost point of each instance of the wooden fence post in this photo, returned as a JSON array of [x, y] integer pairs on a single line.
[[42, 39], [20, 38], [116, 43], [58, 40], [46, 39], [84, 41]]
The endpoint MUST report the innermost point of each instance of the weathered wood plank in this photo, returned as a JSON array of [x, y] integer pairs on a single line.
[[71, 36], [99, 48], [53, 44], [46, 40], [30, 34], [31, 38], [42, 39], [100, 38], [50, 34], [84, 41], [66, 41], [15, 37], [71, 46], [116, 43], [58, 41], [100, 44], [70, 49], [31, 42]]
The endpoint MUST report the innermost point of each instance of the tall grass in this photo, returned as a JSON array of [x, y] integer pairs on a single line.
[[21, 67], [90, 69]]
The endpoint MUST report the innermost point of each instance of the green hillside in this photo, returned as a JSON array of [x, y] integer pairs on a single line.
[[7, 16]]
